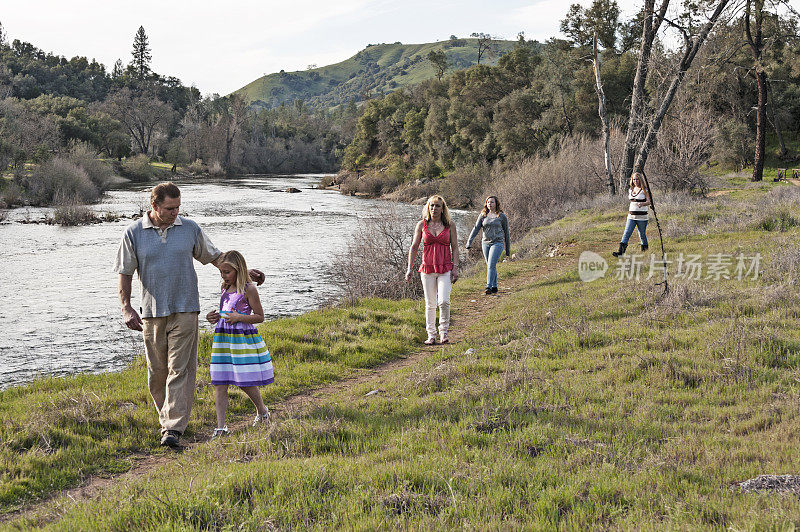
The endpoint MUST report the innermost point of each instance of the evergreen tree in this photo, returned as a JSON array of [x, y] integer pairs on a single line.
[[2, 35], [141, 55]]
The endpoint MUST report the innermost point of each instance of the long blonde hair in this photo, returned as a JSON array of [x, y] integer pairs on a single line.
[[641, 179], [426, 210], [235, 259]]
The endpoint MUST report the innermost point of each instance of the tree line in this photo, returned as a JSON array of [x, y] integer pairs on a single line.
[[735, 63], [48, 103]]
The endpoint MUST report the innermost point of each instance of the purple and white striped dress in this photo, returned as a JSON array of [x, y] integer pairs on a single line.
[[238, 354]]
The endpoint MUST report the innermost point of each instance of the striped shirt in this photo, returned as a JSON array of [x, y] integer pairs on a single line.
[[635, 211]]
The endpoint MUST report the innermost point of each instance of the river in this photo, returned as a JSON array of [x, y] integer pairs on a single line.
[[59, 309]]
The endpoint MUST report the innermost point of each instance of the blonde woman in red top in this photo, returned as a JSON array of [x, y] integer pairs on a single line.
[[439, 269]]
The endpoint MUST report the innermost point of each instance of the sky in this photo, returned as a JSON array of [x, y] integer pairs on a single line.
[[220, 48]]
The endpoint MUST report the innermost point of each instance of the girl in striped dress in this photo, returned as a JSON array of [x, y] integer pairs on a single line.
[[639, 199], [238, 353]]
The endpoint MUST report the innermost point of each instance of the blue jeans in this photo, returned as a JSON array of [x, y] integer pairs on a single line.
[[492, 252], [641, 225]]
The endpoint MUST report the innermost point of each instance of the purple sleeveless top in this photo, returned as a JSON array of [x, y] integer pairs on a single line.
[[234, 301]]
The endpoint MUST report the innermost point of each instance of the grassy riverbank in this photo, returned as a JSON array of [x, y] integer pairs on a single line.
[[56, 432], [565, 404]]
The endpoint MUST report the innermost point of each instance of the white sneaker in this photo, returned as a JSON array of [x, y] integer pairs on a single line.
[[220, 432], [261, 418]]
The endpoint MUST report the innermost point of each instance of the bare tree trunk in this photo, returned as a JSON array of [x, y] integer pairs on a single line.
[[757, 46], [690, 52], [636, 118], [601, 109], [761, 125]]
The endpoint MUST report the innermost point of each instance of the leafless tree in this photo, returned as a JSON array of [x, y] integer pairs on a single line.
[[484, 44], [691, 46], [141, 114], [601, 108]]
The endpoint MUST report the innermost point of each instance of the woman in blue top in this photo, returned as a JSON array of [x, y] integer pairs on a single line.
[[494, 223]]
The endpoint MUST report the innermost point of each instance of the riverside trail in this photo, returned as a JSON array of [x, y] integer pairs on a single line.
[[467, 310]]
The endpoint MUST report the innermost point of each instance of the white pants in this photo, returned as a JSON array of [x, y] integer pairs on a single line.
[[437, 291]]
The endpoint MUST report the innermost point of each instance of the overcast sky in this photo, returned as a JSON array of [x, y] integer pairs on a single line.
[[221, 48]]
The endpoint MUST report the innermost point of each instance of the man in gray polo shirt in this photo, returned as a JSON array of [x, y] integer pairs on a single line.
[[161, 246]]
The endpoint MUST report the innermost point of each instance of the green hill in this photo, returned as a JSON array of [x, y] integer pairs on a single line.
[[375, 70]]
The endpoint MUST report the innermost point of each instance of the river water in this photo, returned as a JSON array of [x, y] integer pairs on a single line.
[[59, 309]]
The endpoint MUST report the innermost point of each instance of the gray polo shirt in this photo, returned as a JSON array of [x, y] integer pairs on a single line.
[[164, 261]]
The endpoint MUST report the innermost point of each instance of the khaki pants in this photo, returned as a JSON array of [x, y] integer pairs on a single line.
[[170, 343]]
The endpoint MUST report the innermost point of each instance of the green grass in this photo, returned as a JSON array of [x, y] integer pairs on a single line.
[[583, 405], [55, 432]]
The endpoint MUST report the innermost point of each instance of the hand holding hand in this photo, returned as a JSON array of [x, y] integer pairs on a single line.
[[233, 317], [213, 317], [131, 319], [257, 276]]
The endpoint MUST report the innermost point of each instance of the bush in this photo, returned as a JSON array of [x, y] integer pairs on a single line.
[[683, 147], [99, 172], [216, 170], [734, 143], [72, 214], [196, 167], [137, 168], [374, 264], [57, 179], [781, 221], [459, 188], [542, 189], [12, 195]]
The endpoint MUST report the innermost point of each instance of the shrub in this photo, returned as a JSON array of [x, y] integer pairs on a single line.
[[734, 143], [460, 186], [542, 189], [374, 263], [58, 179], [137, 168], [72, 214], [196, 167], [683, 147], [12, 195], [781, 221], [99, 172], [427, 169], [216, 169]]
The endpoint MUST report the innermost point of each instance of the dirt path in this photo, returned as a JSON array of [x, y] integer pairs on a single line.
[[467, 310]]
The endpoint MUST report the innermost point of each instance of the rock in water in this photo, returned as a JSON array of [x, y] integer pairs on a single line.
[[292, 190]]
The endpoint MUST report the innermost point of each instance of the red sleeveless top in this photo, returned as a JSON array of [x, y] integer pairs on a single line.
[[436, 256]]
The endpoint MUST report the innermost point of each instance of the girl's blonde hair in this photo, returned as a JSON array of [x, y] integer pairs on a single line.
[[635, 174], [236, 260], [497, 208], [426, 210]]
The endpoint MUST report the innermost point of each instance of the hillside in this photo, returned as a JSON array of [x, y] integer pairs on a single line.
[[560, 404], [375, 70]]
